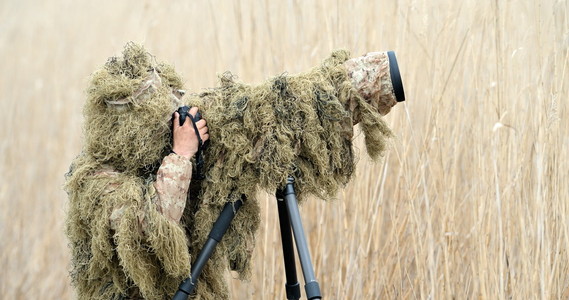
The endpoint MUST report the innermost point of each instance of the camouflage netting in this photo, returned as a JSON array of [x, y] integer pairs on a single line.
[[299, 125]]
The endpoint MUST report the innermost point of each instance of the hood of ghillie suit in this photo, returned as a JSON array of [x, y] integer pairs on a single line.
[[128, 111]]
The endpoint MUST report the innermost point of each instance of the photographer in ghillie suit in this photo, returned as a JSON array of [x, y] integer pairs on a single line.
[[127, 190], [133, 222]]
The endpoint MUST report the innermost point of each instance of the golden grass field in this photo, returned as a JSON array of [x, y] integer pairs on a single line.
[[471, 201]]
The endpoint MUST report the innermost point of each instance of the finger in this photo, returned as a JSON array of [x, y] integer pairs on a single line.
[[204, 137], [201, 124], [203, 131], [193, 111], [176, 120]]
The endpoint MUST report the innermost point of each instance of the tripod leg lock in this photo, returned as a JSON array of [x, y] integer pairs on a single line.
[[184, 290], [292, 291], [312, 290]]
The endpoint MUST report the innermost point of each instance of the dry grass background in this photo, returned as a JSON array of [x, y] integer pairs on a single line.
[[470, 202]]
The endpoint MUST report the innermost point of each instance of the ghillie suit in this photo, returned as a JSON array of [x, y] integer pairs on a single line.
[[299, 125]]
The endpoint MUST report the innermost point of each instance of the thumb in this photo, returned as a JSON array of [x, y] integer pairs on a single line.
[[193, 111]]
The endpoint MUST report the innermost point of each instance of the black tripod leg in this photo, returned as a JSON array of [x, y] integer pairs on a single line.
[[292, 286], [219, 228], [311, 287]]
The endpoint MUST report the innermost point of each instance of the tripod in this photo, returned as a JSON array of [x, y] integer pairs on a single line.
[[289, 217]]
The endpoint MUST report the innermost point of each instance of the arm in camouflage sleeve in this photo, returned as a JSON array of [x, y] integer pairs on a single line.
[[168, 192], [172, 183]]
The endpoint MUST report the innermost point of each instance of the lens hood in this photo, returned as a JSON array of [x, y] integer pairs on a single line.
[[395, 77]]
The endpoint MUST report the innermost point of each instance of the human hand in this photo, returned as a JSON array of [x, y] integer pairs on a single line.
[[185, 141]]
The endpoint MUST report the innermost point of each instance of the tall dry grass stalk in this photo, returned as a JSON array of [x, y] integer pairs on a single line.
[[470, 202]]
